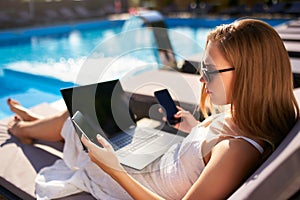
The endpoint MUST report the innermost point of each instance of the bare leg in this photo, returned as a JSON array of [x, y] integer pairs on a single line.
[[27, 125], [21, 112], [47, 129]]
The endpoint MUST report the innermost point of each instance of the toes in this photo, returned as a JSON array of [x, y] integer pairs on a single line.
[[12, 102], [13, 123], [14, 129], [9, 101], [17, 118]]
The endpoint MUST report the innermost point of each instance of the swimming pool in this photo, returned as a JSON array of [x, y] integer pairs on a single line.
[[35, 63]]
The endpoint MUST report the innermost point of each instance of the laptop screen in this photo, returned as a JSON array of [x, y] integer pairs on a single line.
[[105, 105]]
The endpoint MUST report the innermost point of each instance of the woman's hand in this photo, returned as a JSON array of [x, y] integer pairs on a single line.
[[104, 157], [187, 122]]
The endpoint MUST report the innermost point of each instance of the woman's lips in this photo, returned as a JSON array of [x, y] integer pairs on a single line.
[[207, 91]]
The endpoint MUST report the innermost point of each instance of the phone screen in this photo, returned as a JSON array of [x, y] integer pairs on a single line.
[[165, 100]]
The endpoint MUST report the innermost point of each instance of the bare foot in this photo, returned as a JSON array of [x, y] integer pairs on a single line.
[[17, 127], [21, 111]]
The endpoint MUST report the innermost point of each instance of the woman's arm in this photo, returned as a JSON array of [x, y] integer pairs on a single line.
[[230, 163], [106, 159]]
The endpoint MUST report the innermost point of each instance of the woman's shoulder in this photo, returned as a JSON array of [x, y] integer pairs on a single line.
[[236, 149], [230, 162]]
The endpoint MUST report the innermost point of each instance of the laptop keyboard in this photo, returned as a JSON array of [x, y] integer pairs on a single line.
[[121, 140], [126, 143]]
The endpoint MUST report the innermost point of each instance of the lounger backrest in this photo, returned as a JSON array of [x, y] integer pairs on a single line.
[[279, 176]]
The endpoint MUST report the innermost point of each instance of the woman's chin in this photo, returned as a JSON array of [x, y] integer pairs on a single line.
[[218, 101]]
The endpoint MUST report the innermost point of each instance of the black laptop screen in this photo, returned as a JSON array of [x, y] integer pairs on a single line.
[[105, 105]]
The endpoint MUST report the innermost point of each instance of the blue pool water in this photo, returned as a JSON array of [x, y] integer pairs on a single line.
[[35, 63]]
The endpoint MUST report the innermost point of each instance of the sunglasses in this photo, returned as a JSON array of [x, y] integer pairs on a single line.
[[208, 75]]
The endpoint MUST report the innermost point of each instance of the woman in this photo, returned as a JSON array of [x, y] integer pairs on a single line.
[[246, 70]]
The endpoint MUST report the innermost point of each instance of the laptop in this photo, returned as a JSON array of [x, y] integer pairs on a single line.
[[105, 106]]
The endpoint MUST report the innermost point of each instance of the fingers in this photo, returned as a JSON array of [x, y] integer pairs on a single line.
[[179, 108], [89, 144], [182, 112], [160, 110], [85, 141], [176, 126], [104, 142]]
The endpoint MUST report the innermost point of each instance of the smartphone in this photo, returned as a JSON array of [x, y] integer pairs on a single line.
[[165, 100], [83, 127]]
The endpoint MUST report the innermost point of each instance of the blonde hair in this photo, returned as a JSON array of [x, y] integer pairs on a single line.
[[263, 104]]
